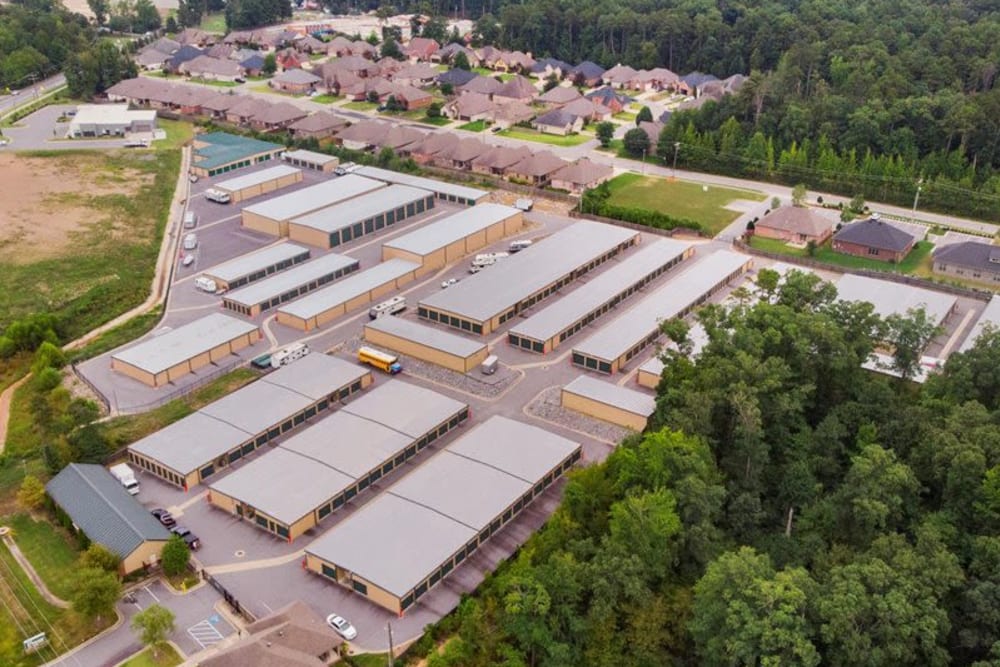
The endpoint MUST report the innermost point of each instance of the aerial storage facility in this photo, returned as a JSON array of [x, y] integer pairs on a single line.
[[166, 357], [272, 216], [220, 152], [362, 288], [259, 182], [454, 237], [311, 160], [254, 299], [650, 372], [891, 298], [256, 265], [198, 446], [550, 327], [457, 194], [609, 402], [449, 506], [350, 220], [481, 303], [618, 342], [426, 343], [990, 317], [310, 475]]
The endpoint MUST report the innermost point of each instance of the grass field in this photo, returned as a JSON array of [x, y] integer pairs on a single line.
[[626, 116], [166, 657], [551, 139], [50, 549], [474, 126], [918, 262], [214, 23], [327, 99], [682, 199]]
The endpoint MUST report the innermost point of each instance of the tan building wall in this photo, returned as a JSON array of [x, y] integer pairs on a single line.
[[308, 235], [603, 411], [460, 248], [228, 505], [647, 379], [432, 355], [146, 553], [265, 187], [188, 366], [375, 594], [332, 313], [264, 225]]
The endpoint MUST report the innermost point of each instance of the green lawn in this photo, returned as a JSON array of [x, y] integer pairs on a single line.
[[440, 121], [367, 660], [327, 99], [627, 116], [361, 106], [474, 126], [682, 199], [214, 23], [525, 134], [167, 657], [917, 262], [213, 82], [51, 551]]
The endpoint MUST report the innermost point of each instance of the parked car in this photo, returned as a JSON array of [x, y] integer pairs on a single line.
[[341, 627], [240, 79], [164, 517], [189, 538], [188, 259], [448, 283]]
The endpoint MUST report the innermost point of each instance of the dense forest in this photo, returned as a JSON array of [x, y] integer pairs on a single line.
[[785, 507], [37, 37]]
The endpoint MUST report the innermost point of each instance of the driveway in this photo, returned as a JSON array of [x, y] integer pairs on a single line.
[[42, 131]]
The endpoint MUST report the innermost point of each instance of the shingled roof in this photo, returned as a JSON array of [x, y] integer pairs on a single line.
[[875, 233], [799, 220], [971, 255]]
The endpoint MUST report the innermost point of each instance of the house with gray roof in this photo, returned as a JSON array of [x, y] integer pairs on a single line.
[[101, 508], [456, 77], [559, 122], [795, 224], [546, 67], [587, 73], [874, 239], [295, 81], [973, 260]]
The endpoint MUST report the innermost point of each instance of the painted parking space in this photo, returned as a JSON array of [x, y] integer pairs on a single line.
[[206, 633]]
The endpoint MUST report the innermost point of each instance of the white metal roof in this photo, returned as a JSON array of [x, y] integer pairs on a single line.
[[519, 449], [462, 191], [264, 290], [455, 227], [653, 365], [348, 288], [432, 337], [256, 178], [316, 375], [515, 278], [617, 337], [890, 298], [622, 398], [990, 316], [166, 350], [347, 443], [109, 114], [554, 318], [246, 264], [190, 443], [405, 407], [310, 156], [315, 197], [361, 208]]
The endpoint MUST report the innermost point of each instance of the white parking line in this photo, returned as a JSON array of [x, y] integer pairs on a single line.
[[205, 634], [151, 594]]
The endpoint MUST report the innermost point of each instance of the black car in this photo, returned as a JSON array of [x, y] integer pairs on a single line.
[[164, 517], [189, 538]]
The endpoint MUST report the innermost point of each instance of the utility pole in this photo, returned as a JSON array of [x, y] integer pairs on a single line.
[[916, 198], [391, 650], [677, 148]]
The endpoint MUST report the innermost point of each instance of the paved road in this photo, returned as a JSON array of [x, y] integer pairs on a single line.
[[42, 131], [26, 95]]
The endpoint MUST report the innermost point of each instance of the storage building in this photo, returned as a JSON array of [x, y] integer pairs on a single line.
[[483, 302], [257, 265], [97, 120], [609, 402], [312, 474], [360, 289], [650, 372], [450, 239], [335, 225], [272, 216], [166, 357], [892, 298], [617, 343], [220, 152], [990, 317], [458, 194], [449, 506], [193, 449], [253, 300], [311, 160], [426, 343], [259, 182], [550, 327]]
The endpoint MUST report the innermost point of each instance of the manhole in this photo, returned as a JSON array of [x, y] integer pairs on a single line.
[[240, 553]]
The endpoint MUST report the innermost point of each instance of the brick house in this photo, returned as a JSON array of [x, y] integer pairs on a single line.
[[874, 239], [794, 224], [972, 260]]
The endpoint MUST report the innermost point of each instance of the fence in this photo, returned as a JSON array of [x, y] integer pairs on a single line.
[[230, 599]]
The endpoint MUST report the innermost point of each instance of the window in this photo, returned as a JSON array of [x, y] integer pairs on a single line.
[[360, 587], [329, 571], [873, 251]]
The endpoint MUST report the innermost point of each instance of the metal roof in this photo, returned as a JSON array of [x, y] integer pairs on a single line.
[[513, 279], [264, 290], [439, 187], [622, 398], [224, 148], [455, 227], [524, 451], [258, 260], [314, 197], [432, 337], [653, 365], [406, 408], [316, 375], [342, 215], [99, 505], [193, 441], [617, 337], [311, 156], [257, 407], [348, 288], [891, 298], [166, 350], [990, 316], [256, 178], [565, 312], [347, 443]]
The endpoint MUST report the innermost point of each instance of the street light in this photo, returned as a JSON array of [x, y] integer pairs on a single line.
[[677, 147], [916, 198]]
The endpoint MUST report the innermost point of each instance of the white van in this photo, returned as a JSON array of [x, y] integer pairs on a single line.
[[190, 220], [518, 246], [489, 365], [289, 354], [396, 304], [206, 284], [218, 196], [190, 241], [489, 257]]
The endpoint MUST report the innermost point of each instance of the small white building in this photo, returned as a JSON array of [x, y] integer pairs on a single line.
[[97, 120]]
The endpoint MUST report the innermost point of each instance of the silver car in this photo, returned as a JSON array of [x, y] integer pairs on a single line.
[[341, 627]]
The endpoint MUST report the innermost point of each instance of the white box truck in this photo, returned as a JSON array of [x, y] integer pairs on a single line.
[[218, 196], [289, 354], [206, 284], [125, 477]]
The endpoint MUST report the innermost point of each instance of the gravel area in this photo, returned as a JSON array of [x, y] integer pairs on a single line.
[[547, 406]]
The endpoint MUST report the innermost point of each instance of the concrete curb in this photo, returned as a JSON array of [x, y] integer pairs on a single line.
[[119, 622]]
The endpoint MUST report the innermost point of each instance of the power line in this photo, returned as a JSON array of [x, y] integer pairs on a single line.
[[41, 615]]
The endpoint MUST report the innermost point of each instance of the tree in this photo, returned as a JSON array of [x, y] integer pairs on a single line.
[[96, 592], [147, 17], [390, 49], [153, 625], [775, 203], [189, 13], [799, 195], [461, 61], [636, 142], [98, 557], [644, 116], [270, 64], [486, 31], [101, 9], [31, 495], [175, 556], [434, 110], [909, 336], [878, 494], [171, 24], [392, 104], [605, 132], [447, 89]]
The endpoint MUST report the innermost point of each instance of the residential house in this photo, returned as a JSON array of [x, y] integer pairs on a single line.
[[559, 122], [400, 137], [456, 78], [658, 78], [536, 170], [289, 59], [469, 107], [513, 61], [546, 67], [420, 49], [151, 60], [652, 129], [420, 74], [795, 224], [362, 67], [295, 81], [447, 53], [319, 125], [238, 37], [411, 98], [483, 84], [254, 65], [244, 111], [498, 159], [217, 105], [619, 76], [195, 37], [189, 100], [488, 56], [581, 175], [874, 239], [690, 84], [363, 49], [366, 89], [517, 89], [310, 44], [462, 155], [511, 113], [335, 79], [277, 117], [388, 67], [560, 95], [181, 56], [425, 150], [339, 46], [222, 51], [363, 135], [973, 260], [716, 90], [212, 69], [589, 110], [587, 74], [610, 98]]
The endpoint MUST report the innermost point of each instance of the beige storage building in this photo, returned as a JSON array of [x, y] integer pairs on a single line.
[[609, 402], [450, 192], [358, 290], [272, 216], [259, 183], [162, 359], [414, 534], [256, 265], [264, 295], [314, 473], [650, 373], [311, 160], [426, 343], [454, 237]]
